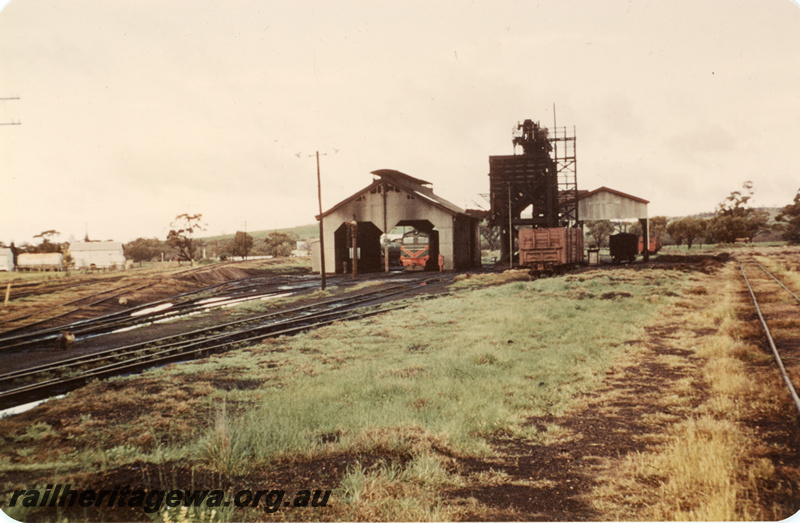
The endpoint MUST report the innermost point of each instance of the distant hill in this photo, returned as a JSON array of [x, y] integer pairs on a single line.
[[301, 232]]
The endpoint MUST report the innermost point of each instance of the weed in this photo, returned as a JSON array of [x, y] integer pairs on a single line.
[[389, 493], [36, 432], [224, 449]]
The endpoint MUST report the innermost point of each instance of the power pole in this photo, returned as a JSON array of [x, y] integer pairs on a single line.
[[321, 230], [510, 232]]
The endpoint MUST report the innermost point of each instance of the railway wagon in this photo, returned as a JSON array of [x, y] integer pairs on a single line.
[[415, 250], [624, 246], [551, 249], [48, 261], [655, 245]]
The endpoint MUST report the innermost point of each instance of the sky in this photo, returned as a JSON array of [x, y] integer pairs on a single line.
[[132, 112]]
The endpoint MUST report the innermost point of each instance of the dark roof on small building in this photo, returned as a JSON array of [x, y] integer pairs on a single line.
[[392, 175]]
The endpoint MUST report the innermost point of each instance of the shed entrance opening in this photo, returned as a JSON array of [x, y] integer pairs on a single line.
[[367, 247]]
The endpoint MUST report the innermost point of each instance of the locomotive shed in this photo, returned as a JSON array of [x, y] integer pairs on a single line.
[[395, 199]]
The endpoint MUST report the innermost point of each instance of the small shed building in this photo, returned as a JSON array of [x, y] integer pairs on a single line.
[[99, 255], [395, 199], [610, 204]]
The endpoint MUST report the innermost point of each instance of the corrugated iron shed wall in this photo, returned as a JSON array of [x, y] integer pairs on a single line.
[[608, 204]]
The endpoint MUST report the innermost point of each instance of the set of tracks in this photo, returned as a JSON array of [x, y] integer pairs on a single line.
[[22, 289], [188, 302], [19, 290], [764, 285], [43, 381]]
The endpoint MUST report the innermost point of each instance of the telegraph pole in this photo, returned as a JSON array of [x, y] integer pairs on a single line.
[[510, 232], [321, 231]]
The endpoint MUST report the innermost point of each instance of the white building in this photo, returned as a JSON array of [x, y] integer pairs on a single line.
[[97, 255], [6, 259], [303, 248]]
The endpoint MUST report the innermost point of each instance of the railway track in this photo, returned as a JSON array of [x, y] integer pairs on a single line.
[[189, 302], [85, 305], [76, 308], [29, 289], [43, 381], [773, 300]]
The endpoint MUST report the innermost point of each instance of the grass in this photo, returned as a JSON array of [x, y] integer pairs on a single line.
[[709, 466], [416, 388], [784, 270], [391, 493], [436, 377]]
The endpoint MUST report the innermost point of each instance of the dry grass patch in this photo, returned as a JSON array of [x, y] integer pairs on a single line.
[[392, 493], [466, 281], [696, 475], [710, 466]]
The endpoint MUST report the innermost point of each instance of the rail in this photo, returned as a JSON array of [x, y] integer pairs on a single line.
[[768, 333], [45, 380]]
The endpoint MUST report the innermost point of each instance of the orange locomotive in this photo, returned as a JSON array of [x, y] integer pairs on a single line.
[[415, 250]]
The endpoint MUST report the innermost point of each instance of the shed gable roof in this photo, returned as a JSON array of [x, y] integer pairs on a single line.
[[415, 186], [612, 191]]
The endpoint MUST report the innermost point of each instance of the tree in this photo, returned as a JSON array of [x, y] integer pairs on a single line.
[[675, 232], [490, 235], [221, 248], [47, 245], [791, 215], [686, 230], [280, 244], [600, 230], [735, 219], [634, 228], [658, 226], [242, 243], [181, 236], [144, 249], [736, 204]]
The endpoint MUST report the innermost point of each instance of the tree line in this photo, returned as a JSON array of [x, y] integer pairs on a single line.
[[182, 244]]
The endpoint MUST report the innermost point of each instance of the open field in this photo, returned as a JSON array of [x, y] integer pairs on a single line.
[[626, 393], [301, 232]]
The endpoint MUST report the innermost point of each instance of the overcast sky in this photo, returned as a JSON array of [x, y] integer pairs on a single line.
[[133, 112]]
